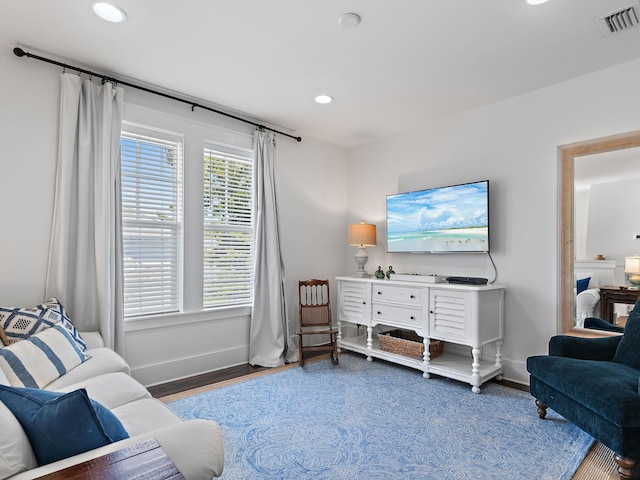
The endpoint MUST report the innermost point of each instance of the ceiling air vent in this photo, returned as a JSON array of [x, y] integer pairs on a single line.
[[622, 19]]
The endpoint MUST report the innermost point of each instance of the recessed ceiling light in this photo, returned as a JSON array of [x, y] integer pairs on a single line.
[[109, 12], [536, 2], [349, 20], [324, 99]]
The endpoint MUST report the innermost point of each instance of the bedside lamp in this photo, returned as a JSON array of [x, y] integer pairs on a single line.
[[632, 267], [362, 235]]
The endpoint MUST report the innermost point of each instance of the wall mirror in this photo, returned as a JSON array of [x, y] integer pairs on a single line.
[[568, 156]]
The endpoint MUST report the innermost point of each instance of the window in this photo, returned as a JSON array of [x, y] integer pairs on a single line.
[[151, 220], [228, 227]]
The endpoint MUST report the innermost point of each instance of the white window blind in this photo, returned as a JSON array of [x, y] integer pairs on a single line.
[[151, 223], [228, 227]]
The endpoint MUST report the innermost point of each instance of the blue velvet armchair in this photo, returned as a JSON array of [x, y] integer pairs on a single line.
[[594, 383]]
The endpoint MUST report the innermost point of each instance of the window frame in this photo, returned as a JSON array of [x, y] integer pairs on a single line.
[[234, 219], [154, 134]]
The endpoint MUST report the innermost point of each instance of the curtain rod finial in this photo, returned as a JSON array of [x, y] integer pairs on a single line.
[[19, 52]]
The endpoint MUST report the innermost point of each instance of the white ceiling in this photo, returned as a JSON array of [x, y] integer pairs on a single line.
[[606, 167], [409, 62]]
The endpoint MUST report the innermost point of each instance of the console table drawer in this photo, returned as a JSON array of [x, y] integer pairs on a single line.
[[404, 295], [397, 316]]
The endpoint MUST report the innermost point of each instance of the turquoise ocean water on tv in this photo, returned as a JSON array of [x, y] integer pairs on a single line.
[[452, 240]]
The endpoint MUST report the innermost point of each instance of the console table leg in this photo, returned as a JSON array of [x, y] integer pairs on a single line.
[[339, 338], [369, 343], [499, 358], [475, 370], [426, 357]]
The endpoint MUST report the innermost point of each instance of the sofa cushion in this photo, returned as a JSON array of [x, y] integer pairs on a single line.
[[627, 352], [145, 415], [16, 454], [60, 425], [20, 323], [111, 389], [102, 360], [41, 358]]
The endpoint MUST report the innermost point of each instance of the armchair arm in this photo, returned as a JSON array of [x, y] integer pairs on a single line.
[[599, 324], [584, 348], [92, 339]]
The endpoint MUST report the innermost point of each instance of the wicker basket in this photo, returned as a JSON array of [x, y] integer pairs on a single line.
[[409, 344]]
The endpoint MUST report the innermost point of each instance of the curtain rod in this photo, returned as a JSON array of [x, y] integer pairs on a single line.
[[105, 78]]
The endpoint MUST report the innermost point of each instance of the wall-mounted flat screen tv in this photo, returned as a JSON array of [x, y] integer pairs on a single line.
[[445, 219]]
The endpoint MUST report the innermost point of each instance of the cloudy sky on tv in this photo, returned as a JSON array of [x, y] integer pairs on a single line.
[[459, 206]]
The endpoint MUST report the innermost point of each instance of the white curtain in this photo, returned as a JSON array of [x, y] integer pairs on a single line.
[[85, 253], [269, 342]]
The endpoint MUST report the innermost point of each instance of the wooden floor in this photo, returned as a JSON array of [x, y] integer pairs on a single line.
[[179, 386]]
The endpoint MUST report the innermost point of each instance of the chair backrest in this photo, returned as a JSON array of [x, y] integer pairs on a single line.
[[315, 303]]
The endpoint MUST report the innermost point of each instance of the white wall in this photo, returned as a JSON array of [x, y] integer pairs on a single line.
[[514, 144], [581, 199], [612, 223], [311, 190], [29, 125]]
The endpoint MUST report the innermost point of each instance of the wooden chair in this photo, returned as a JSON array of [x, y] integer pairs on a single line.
[[315, 318]]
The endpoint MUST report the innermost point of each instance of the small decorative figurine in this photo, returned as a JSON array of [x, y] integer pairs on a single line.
[[389, 272], [379, 273]]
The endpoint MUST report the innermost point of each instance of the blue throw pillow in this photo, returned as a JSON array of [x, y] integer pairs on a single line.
[[60, 425], [582, 284], [628, 349]]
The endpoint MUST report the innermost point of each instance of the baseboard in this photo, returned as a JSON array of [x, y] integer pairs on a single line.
[[179, 368]]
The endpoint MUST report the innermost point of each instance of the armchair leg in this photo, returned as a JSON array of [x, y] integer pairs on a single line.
[[625, 466], [542, 409]]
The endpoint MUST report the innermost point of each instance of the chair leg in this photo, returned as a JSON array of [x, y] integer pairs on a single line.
[[300, 357], [542, 409], [625, 466], [334, 351]]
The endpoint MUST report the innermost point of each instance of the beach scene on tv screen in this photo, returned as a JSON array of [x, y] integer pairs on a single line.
[[448, 219]]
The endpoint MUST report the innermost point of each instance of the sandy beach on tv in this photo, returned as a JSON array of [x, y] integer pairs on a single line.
[[449, 240]]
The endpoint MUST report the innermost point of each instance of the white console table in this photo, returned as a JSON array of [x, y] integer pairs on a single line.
[[468, 315]]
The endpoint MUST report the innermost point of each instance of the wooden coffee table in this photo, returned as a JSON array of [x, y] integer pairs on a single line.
[[145, 460]]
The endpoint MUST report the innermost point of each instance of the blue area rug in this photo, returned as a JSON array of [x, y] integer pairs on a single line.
[[361, 420]]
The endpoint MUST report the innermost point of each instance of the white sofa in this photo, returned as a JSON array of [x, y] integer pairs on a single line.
[[586, 303], [599, 273], [195, 446]]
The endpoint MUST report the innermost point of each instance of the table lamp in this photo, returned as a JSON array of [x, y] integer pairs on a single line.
[[362, 235], [632, 267]]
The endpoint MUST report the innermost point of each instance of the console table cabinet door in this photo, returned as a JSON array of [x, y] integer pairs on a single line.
[[470, 318], [449, 316], [355, 302]]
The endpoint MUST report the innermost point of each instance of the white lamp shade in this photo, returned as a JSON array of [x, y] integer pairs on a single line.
[[362, 235], [632, 264]]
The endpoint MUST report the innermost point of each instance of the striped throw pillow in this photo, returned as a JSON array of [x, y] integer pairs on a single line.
[[40, 359]]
